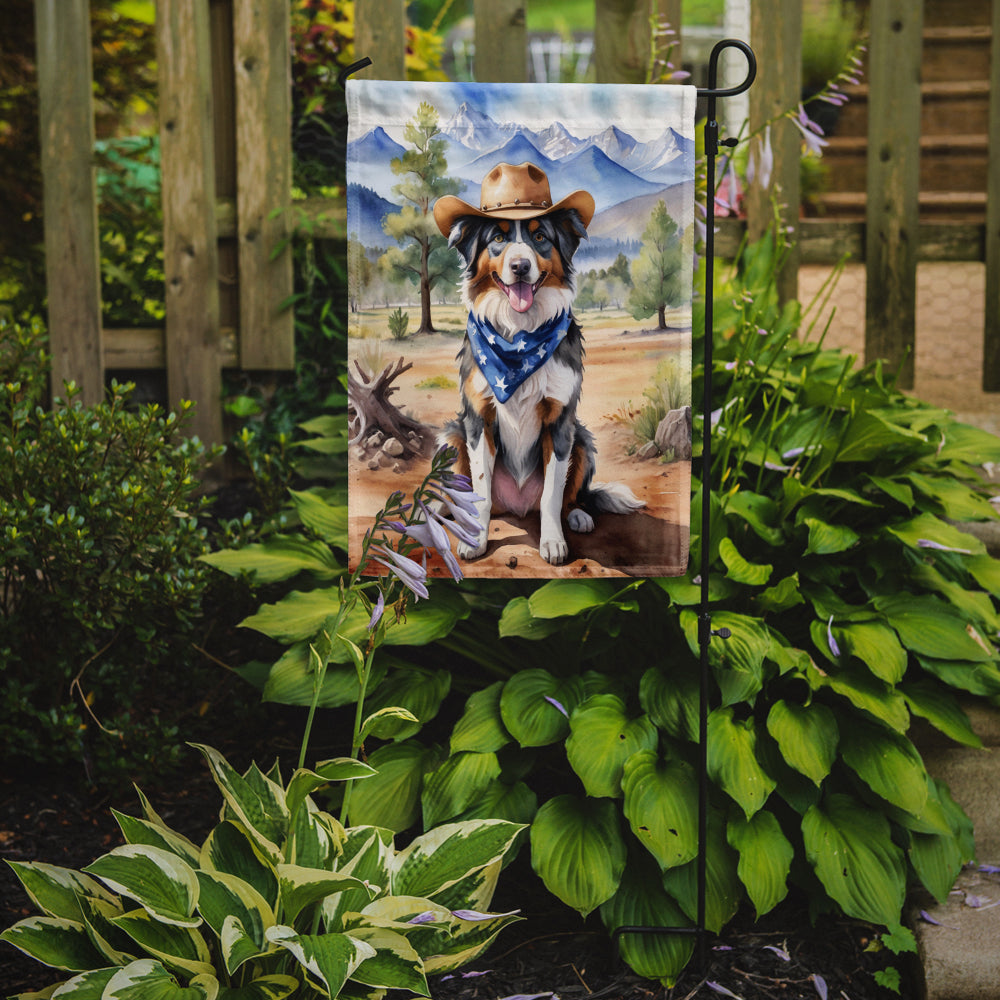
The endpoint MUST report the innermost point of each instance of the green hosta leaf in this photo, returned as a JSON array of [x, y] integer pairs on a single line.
[[986, 571], [738, 569], [976, 678], [965, 443], [456, 784], [226, 898], [327, 520], [928, 528], [671, 699], [159, 881], [827, 539], [230, 849], [783, 595], [941, 709], [765, 858], [438, 859], [395, 964], [516, 803], [931, 628], [292, 680], [602, 738], [142, 831], [56, 891], [517, 620], [275, 987], [888, 763], [732, 760], [958, 502], [391, 798], [147, 979], [578, 851], [301, 887], [864, 691], [481, 728], [330, 959], [684, 593], [893, 488], [807, 736], [758, 511], [661, 799], [738, 661], [54, 941], [937, 858], [386, 723], [260, 809], [870, 436], [850, 848], [641, 901], [876, 646], [530, 706], [417, 690], [560, 598], [723, 889], [975, 605], [279, 558], [180, 948]]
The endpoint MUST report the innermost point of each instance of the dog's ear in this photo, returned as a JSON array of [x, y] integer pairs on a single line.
[[464, 237], [569, 229]]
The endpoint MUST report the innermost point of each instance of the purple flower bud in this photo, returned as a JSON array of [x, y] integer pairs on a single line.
[[411, 574], [558, 705], [427, 917], [834, 648], [377, 612]]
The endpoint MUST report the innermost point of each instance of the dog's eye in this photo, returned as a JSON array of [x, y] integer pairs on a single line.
[[540, 237], [499, 238]]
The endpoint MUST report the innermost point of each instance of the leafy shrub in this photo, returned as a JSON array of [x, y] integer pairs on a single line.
[[398, 322], [854, 605], [279, 899], [99, 539]]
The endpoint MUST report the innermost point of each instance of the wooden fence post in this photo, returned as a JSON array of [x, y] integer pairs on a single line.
[[262, 60], [501, 38], [622, 39], [991, 333], [72, 255], [776, 35], [380, 34], [893, 183], [190, 250]]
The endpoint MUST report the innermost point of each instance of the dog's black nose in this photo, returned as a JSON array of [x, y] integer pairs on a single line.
[[520, 267]]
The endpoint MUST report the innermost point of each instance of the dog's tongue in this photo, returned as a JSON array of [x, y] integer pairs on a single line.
[[521, 295]]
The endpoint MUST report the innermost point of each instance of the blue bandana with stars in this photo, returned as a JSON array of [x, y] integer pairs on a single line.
[[505, 364]]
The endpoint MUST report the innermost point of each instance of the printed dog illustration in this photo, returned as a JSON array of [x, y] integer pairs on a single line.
[[521, 363]]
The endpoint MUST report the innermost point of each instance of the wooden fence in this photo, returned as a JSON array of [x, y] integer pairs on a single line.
[[226, 161]]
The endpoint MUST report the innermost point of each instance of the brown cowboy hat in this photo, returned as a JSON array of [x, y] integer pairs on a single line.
[[512, 192]]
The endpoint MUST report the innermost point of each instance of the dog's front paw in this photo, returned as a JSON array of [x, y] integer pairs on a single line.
[[579, 520], [554, 550], [469, 552]]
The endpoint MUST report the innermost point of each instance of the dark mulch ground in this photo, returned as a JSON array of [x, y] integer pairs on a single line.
[[551, 951]]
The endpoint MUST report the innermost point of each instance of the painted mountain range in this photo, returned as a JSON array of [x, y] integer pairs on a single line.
[[614, 166]]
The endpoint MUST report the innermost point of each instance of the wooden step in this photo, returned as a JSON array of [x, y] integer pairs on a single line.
[[958, 206], [956, 53], [945, 12]]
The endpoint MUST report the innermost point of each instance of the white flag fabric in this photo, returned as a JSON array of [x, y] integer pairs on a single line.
[[520, 278]]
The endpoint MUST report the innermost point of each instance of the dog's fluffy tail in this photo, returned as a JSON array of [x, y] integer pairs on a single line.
[[612, 498]]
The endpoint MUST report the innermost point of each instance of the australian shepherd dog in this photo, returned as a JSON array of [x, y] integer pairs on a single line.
[[518, 435]]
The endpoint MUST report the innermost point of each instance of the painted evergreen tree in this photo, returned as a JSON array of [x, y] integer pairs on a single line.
[[426, 259], [657, 271]]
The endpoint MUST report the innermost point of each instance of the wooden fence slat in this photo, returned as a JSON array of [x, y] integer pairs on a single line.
[[190, 252], [776, 36], [991, 332], [501, 38], [893, 184], [262, 61], [380, 34], [621, 40], [72, 255]]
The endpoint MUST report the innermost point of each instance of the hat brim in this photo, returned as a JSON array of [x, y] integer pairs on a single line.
[[449, 208]]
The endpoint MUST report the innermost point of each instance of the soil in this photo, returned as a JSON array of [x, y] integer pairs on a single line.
[[551, 952]]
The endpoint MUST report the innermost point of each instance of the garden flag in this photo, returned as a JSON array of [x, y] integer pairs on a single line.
[[520, 282]]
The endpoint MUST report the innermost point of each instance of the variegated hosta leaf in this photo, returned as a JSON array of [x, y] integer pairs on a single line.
[[225, 897], [230, 849], [56, 891], [274, 987], [723, 889], [116, 947], [807, 736], [54, 941], [661, 805], [602, 737], [456, 784], [578, 851], [86, 986], [441, 857], [304, 782], [315, 838], [466, 941], [367, 853], [158, 880], [147, 979], [481, 727], [765, 858], [535, 706], [395, 964], [256, 801], [850, 847], [391, 799], [642, 902], [476, 890], [329, 959], [888, 763], [141, 831], [177, 947], [300, 887], [732, 760]]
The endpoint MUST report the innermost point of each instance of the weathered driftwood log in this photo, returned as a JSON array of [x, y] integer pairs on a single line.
[[374, 420]]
